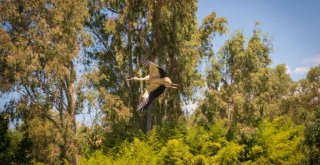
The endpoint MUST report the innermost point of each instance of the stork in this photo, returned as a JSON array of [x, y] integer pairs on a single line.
[[158, 81]]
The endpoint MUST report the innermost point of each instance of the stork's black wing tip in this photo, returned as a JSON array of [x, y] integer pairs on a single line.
[[144, 62]]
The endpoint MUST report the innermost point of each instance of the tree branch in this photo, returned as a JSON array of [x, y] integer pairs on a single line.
[[114, 63]]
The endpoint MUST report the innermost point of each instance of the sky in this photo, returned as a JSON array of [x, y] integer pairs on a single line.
[[293, 25]]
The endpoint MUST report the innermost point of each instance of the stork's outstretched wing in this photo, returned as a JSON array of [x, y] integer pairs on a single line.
[[153, 91], [155, 70]]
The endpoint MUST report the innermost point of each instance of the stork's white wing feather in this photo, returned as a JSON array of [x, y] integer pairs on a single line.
[[143, 101], [146, 96]]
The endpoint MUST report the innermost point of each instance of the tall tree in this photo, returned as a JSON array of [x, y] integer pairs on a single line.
[[310, 94], [39, 44], [238, 82], [5, 140], [162, 31]]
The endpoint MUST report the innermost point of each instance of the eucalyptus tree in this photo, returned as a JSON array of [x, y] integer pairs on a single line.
[[238, 82], [161, 31], [40, 41], [309, 99]]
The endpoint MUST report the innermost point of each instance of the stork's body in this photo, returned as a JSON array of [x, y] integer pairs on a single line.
[[165, 81], [158, 81]]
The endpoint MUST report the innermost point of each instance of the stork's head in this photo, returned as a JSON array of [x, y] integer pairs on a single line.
[[131, 78]]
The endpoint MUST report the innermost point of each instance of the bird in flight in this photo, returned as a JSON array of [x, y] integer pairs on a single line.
[[158, 82]]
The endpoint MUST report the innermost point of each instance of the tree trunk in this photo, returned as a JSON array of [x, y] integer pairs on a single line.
[[70, 122], [72, 108], [149, 121], [154, 49], [63, 153], [129, 46], [155, 29]]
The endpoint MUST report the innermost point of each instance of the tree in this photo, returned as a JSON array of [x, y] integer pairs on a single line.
[[310, 96], [5, 139], [164, 31], [40, 41], [238, 82]]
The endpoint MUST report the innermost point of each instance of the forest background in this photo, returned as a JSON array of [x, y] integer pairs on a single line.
[[65, 98]]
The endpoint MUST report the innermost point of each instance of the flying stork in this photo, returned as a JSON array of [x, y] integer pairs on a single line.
[[158, 81]]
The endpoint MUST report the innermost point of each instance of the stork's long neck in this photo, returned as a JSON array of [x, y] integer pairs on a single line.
[[141, 79]]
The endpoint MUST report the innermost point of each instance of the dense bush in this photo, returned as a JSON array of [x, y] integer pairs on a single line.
[[275, 142]]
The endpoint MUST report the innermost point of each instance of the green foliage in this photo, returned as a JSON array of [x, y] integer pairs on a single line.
[[8, 140], [137, 152], [175, 152], [229, 154], [280, 142], [276, 142], [312, 139], [97, 158]]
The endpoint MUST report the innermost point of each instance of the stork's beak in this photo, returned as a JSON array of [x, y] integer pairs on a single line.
[[130, 78]]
